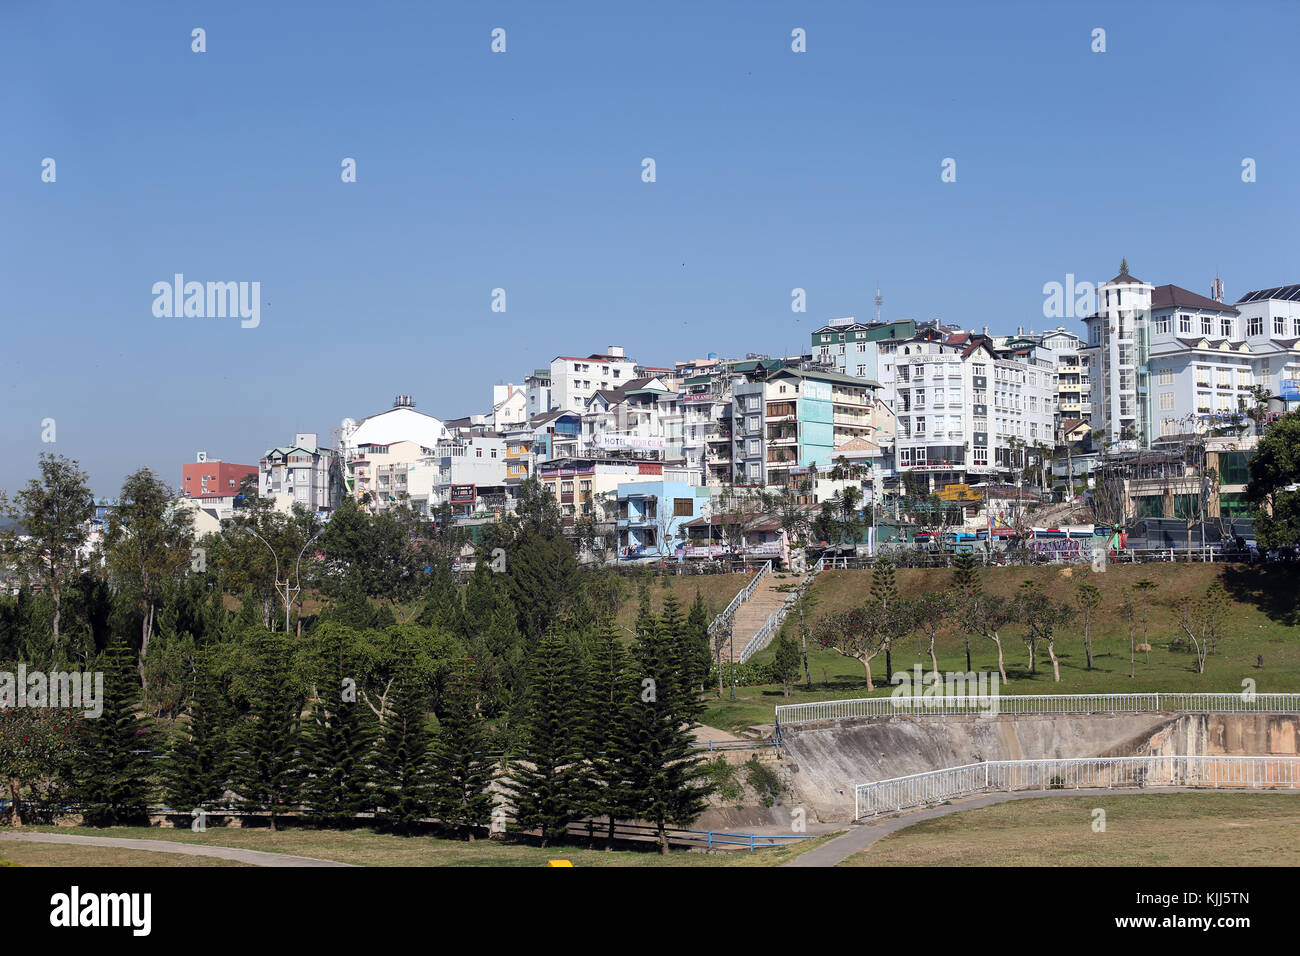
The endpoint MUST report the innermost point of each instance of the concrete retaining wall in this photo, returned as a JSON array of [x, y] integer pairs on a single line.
[[825, 760]]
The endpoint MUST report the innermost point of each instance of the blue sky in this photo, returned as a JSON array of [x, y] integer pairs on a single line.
[[522, 170]]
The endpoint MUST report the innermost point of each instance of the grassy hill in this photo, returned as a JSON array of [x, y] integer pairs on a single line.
[[1262, 621]]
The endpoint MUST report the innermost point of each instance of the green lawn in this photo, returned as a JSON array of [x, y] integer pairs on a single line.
[[1261, 621], [366, 848], [17, 853], [1174, 829]]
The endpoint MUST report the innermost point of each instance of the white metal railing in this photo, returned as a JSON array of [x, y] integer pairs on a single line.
[[763, 636], [926, 789], [1038, 704], [742, 595]]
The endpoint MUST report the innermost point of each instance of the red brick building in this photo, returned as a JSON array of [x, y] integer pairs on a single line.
[[211, 479]]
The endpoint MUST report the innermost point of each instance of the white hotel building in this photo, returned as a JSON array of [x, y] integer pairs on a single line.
[[1167, 361], [963, 411]]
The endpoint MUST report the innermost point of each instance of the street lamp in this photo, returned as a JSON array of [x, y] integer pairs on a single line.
[[289, 593]]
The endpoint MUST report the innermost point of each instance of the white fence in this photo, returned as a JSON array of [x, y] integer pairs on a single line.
[[742, 595], [763, 636], [1039, 704], [937, 786]]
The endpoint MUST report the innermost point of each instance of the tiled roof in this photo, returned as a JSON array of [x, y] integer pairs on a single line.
[[1175, 297]]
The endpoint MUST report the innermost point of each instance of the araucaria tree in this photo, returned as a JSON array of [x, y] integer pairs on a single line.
[[266, 739], [665, 781], [461, 768], [113, 779], [545, 784], [402, 760], [339, 739], [197, 766], [884, 591]]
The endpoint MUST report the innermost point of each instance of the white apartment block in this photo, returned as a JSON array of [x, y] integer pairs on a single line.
[[574, 380], [303, 474], [964, 413]]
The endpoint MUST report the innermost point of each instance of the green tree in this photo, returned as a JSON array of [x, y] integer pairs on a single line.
[[1088, 598], [665, 780], [785, 668], [1274, 476], [606, 682], [402, 762], [884, 591], [546, 785], [147, 545], [338, 742], [965, 585], [197, 766], [461, 768], [265, 771], [38, 746], [1042, 617], [53, 513], [113, 783]]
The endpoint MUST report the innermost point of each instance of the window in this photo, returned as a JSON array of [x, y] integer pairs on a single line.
[[494, 452], [1166, 376], [1184, 324], [478, 452], [1162, 324], [1255, 325], [862, 371], [682, 507], [1207, 325], [1225, 328], [1166, 401], [1279, 325]]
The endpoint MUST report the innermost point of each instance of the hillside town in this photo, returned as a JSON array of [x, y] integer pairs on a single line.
[[1145, 417]]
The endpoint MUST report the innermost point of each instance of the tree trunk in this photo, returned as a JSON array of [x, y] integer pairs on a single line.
[[16, 806], [934, 661], [867, 665], [1087, 643], [967, 638], [1056, 664], [609, 836], [1002, 670], [663, 838], [146, 633]]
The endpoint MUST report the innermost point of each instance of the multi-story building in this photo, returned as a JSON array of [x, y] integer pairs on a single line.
[[1270, 321], [1168, 361], [651, 517], [574, 380], [537, 393], [795, 418], [213, 482], [466, 470], [588, 486], [965, 412], [378, 451], [304, 474], [853, 347], [706, 403]]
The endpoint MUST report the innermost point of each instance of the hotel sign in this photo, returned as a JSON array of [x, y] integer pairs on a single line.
[[463, 494]]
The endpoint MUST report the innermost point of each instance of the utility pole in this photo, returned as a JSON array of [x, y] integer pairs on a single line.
[[290, 592]]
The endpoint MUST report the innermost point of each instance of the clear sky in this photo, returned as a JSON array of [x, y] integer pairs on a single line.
[[523, 171]]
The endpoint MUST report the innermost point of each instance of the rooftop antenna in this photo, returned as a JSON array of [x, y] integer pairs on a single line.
[[1216, 289], [879, 300]]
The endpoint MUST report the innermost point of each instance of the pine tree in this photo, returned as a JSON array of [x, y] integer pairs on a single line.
[[339, 741], [402, 762], [113, 777], [606, 688], [197, 768], [265, 772], [546, 787], [664, 778], [443, 604], [461, 769], [884, 591], [645, 617], [699, 654]]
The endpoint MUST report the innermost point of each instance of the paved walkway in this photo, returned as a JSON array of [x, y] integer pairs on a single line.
[[863, 836], [252, 857]]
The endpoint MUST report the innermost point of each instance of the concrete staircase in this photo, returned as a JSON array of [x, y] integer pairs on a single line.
[[753, 614]]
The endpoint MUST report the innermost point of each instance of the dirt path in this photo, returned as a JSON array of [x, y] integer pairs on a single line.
[[252, 857]]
